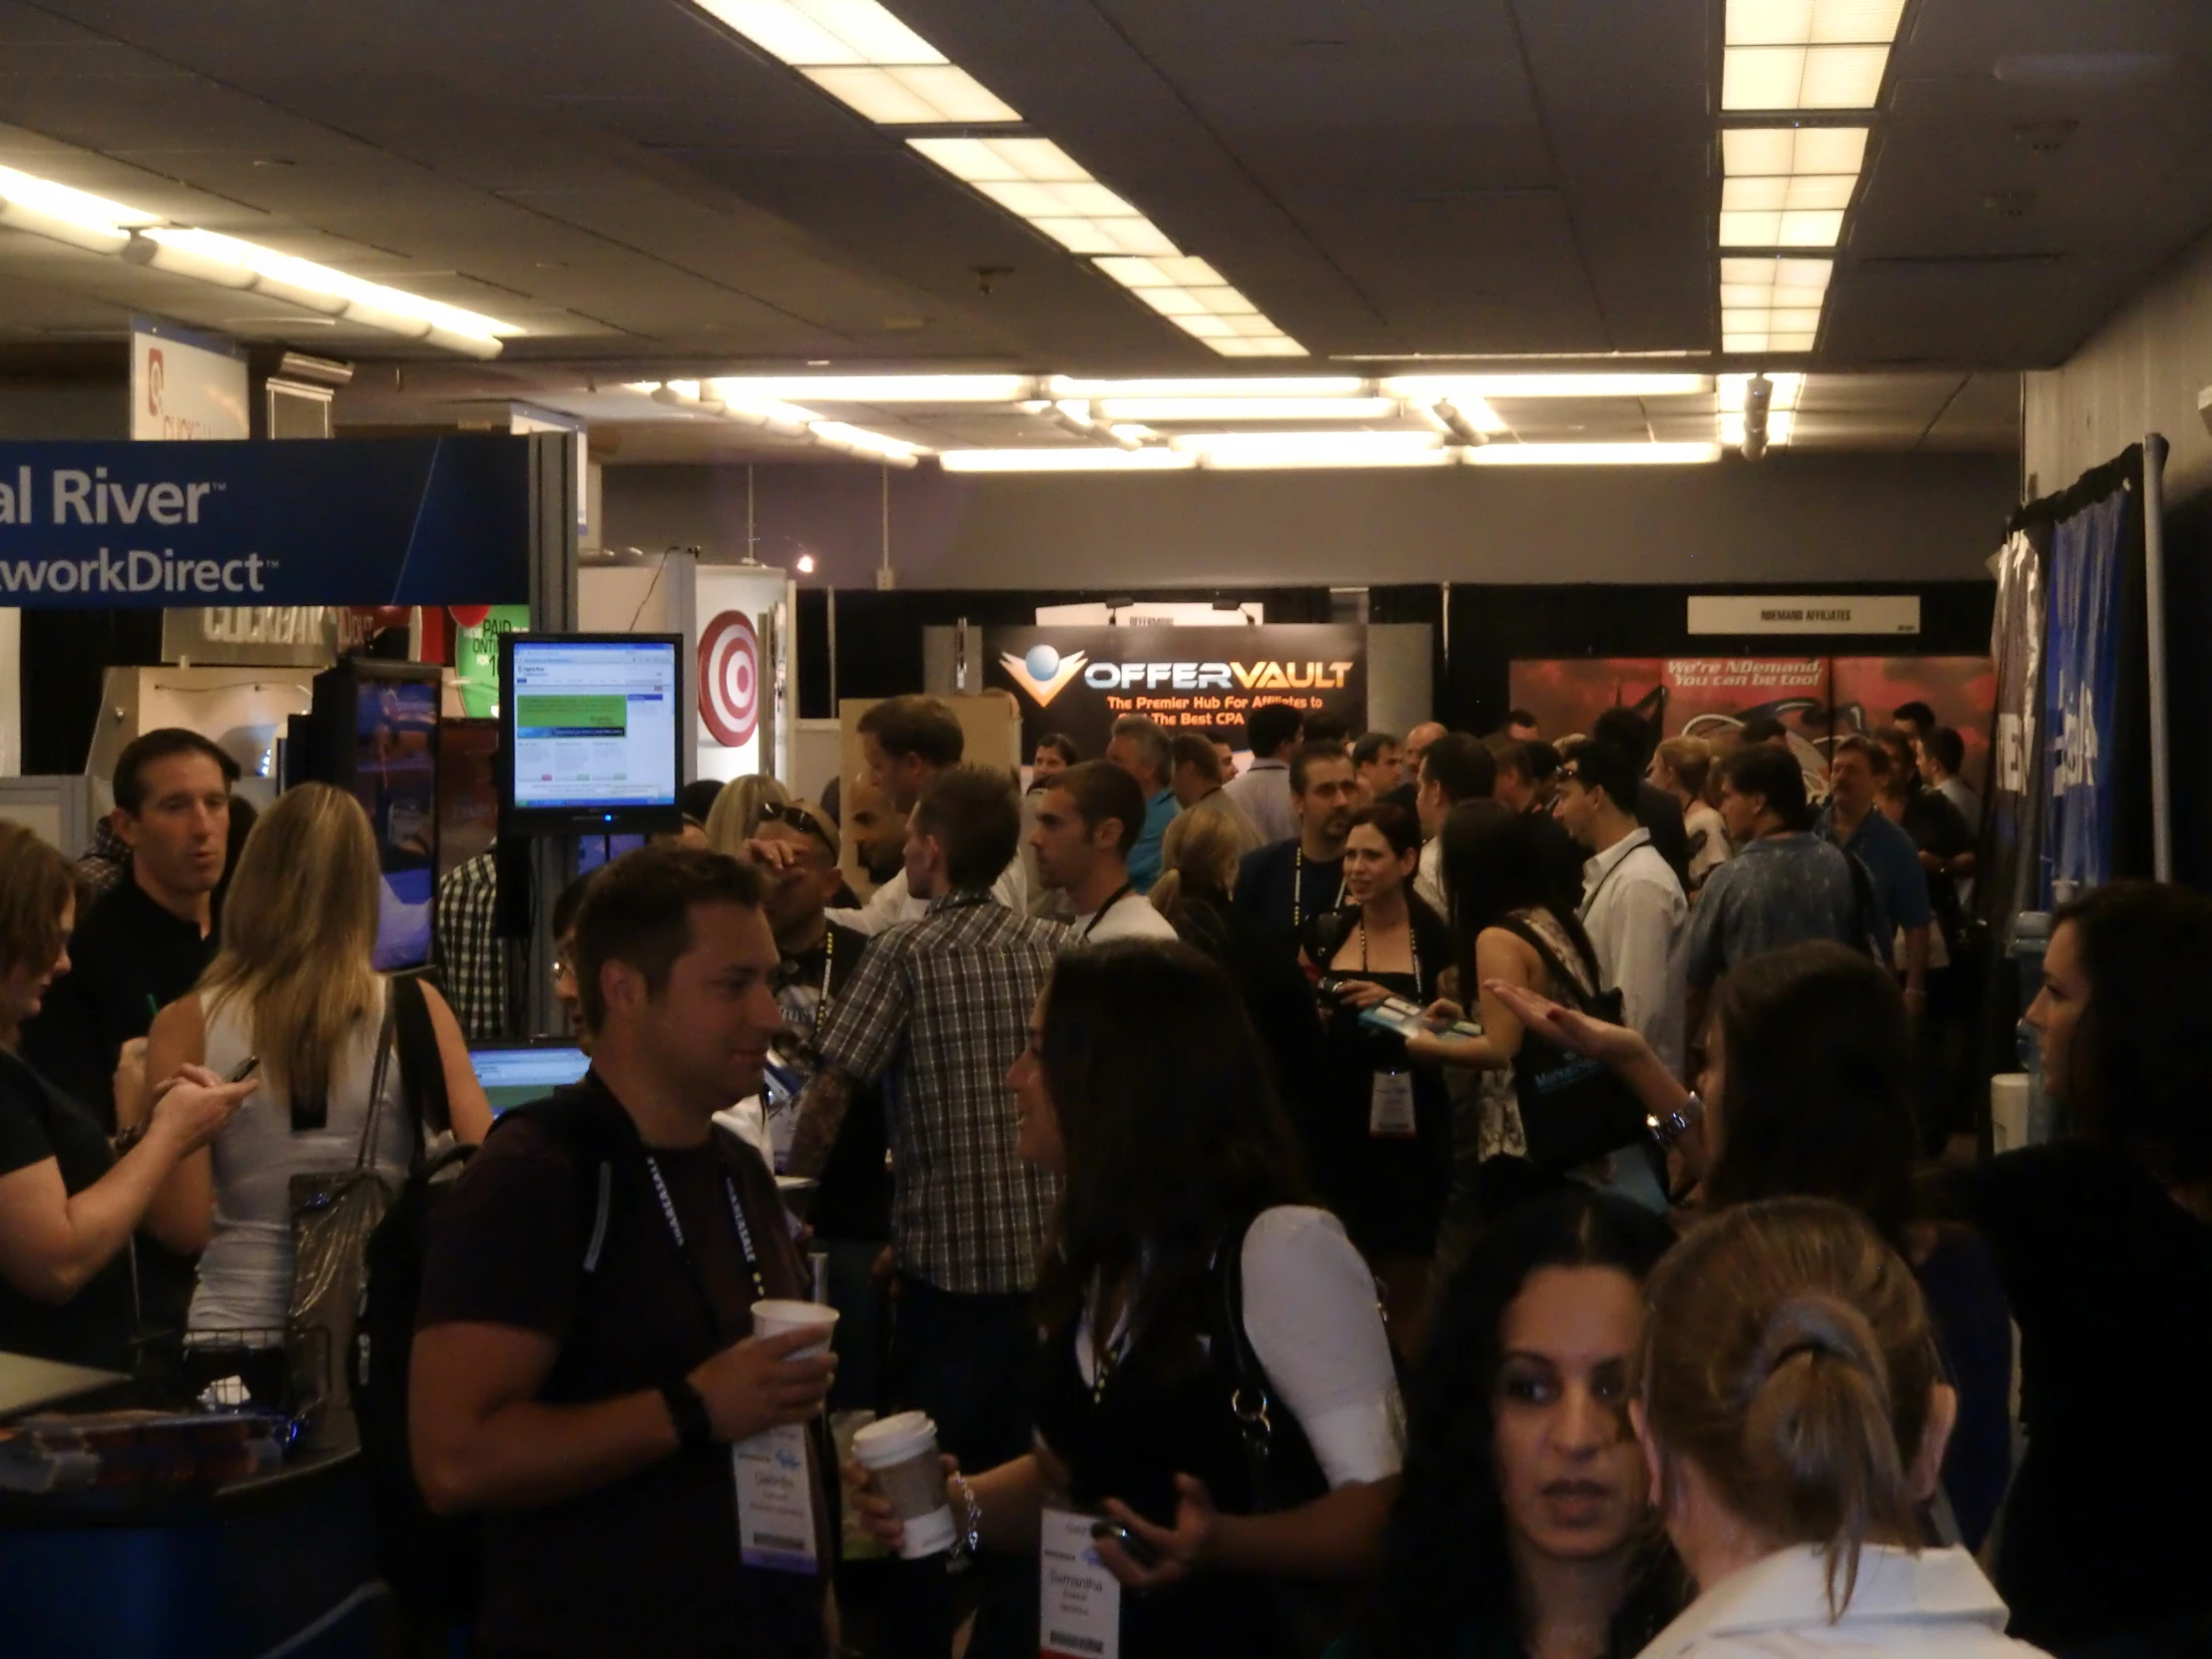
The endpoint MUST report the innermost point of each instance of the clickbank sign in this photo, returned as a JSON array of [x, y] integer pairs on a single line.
[[342, 522]]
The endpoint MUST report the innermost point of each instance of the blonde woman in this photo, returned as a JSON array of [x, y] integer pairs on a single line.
[[738, 811], [293, 986], [1682, 766]]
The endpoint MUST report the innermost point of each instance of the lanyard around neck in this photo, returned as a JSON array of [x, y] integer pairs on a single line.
[[1412, 949], [1298, 888], [683, 1247], [1125, 891]]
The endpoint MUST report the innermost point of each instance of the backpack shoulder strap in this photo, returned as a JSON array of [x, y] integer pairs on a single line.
[[599, 1137]]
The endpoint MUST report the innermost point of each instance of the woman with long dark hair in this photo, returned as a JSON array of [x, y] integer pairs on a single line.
[[1182, 1279], [1807, 1092], [1380, 1144], [1519, 1530]]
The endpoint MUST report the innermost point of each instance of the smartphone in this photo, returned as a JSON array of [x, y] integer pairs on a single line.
[[245, 1069], [1131, 1545]]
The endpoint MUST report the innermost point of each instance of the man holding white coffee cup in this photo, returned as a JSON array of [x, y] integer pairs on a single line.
[[615, 1361]]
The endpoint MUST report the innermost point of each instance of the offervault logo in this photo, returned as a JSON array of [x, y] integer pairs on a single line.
[[1044, 673]]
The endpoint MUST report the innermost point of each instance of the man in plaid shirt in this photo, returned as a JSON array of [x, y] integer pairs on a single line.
[[940, 1010]]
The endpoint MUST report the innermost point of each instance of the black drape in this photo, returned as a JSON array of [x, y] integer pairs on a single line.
[[63, 666]]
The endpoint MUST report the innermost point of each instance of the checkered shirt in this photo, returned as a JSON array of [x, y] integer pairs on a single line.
[[942, 1006], [471, 958], [104, 862]]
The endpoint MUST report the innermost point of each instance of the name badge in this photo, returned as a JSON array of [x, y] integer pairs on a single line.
[[775, 1500], [1390, 1106], [1079, 1611]]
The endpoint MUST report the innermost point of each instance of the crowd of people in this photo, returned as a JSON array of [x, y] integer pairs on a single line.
[[1436, 1196]]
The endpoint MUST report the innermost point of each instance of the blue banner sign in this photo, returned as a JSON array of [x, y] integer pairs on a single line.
[[343, 521], [2081, 657]]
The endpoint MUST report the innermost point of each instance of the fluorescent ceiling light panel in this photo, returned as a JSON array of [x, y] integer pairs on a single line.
[[1787, 193], [1592, 454], [1180, 272], [1316, 385], [1167, 410], [1780, 229], [1784, 272], [1428, 387], [1305, 443], [803, 32], [980, 160], [1066, 458], [1025, 199], [60, 213], [1752, 152], [1814, 22], [1801, 77], [918, 96], [1133, 234], [877, 389], [1222, 301], [1273, 345]]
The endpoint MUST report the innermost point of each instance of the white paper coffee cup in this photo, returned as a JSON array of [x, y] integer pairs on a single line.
[[901, 1456], [774, 1319]]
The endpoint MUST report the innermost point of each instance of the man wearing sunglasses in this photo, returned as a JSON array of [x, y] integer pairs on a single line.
[[851, 1211]]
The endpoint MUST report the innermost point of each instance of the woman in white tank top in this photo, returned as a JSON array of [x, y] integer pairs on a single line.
[[293, 987]]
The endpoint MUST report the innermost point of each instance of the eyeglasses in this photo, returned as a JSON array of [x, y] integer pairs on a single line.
[[801, 818]]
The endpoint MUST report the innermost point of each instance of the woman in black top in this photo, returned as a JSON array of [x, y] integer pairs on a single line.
[[68, 1204], [1381, 1145], [1180, 1277], [2104, 1241], [1520, 1527]]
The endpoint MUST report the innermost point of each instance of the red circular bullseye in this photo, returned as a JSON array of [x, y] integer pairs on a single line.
[[729, 679]]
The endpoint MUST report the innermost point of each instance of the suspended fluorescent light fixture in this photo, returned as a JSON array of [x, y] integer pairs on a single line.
[[859, 441], [62, 214], [1428, 388], [1317, 385], [1168, 410], [1065, 459], [877, 389], [1593, 454]]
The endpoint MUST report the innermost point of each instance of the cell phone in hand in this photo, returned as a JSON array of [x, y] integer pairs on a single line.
[[1131, 1545], [245, 1069]]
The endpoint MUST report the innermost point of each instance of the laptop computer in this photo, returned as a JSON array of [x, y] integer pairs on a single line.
[[512, 1073]]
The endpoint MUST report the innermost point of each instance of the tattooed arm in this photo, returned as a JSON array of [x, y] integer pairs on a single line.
[[821, 1108]]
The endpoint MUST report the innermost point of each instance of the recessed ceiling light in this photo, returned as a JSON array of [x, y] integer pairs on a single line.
[[1813, 22], [1801, 77]]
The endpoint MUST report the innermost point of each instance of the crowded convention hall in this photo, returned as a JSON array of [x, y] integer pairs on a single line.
[[913, 829]]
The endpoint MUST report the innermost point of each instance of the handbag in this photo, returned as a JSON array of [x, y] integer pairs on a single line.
[[1573, 1109], [333, 1215]]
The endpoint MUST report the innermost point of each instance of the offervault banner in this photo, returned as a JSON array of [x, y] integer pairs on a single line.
[[362, 521], [1079, 681]]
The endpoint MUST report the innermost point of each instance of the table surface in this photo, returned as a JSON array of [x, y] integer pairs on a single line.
[[28, 1385]]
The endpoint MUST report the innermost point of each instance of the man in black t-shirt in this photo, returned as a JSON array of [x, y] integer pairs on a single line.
[[145, 942], [1284, 887], [584, 1373]]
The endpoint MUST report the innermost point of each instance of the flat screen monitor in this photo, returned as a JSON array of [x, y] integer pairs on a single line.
[[373, 733], [591, 733], [512, 1073]]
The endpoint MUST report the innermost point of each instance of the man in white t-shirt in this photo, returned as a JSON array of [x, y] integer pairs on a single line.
[[1087, 821], [1632, 902], [1453, 767], [908, 740]]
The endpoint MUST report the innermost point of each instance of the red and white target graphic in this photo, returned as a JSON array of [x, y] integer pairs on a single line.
[[729, 679]]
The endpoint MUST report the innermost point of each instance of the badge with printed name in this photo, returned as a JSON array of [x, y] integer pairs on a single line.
[[1390, 1107], [775, 1500], [1079, 1604]]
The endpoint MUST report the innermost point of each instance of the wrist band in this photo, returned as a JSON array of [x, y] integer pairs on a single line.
[[688, 1411]]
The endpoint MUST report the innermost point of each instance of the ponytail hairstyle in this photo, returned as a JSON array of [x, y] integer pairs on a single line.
[[1788, 1355]]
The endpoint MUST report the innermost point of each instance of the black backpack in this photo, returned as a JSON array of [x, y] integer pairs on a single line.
[[431, 1561]]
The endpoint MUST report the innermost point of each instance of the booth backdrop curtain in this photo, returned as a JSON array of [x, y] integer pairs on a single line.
[[63, 666]]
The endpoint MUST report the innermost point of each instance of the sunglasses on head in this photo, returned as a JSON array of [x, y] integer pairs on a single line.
[[799, 818]]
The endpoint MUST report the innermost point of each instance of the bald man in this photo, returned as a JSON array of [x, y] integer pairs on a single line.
[[1416, 745]]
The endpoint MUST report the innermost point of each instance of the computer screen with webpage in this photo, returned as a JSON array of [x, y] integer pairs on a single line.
[[596, 724], [514, 1073]]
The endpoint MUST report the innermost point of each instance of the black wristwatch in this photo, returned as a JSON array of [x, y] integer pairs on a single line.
[[687, 1410]]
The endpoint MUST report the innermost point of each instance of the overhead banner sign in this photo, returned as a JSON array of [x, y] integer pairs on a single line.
[[1792, 613], [361, 521], [1079, 681]]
